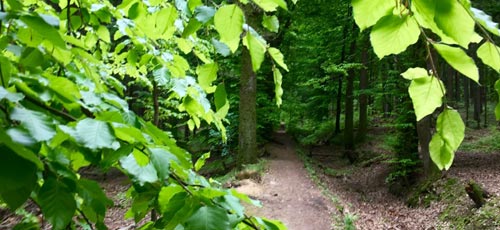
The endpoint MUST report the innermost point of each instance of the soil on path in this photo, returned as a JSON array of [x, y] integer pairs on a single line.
[[286, 191]]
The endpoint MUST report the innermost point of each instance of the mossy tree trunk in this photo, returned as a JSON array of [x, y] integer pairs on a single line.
[[247, 130]]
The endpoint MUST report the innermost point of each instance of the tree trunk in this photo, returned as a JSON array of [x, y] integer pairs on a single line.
[[247, 152], [363, 98], [338, 109], [424, 138], [476, 97], [466, 98], [349, 110]]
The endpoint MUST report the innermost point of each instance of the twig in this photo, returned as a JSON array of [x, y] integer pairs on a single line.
[[86, 219]]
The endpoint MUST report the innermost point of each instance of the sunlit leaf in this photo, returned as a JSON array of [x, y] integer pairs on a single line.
[[448, 137], [277, 57], [426, 94], [490, 55], [368, 12], [208, 218], [229, 24], [94, 134], [271, 23], [393, 34], [459, 60], [38, 124], [454, 21], [257, 49]]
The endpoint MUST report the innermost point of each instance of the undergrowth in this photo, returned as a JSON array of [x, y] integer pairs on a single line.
[[459, 211], [486, 143]]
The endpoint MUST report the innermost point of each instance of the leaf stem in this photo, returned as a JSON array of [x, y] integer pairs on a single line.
[[85, 218]]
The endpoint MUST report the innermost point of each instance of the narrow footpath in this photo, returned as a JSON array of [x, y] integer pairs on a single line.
[[286, 191]]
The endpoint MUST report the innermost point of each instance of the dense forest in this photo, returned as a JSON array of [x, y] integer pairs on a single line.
[[150, 114]]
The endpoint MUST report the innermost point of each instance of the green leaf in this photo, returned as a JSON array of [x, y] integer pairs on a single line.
[[64, 88], [448, 137], [459, 60], [270, 5], [128, 133], [201, 161], [271, 23], [232, 204], [221, 48], [103, 34], [208, 218], [47, 31], [204, 13], [454, 21], [393, 34], [485, 21], [94, 134], [426, 94], [165, 196], [221, 102], [414, 73], [142, 174], [497, 108], [57, 203], [17, 177], [192, 4], [19, 149], [368, 12], [228, 22], [490, 55], [257, 49], [94, 198], [161, 159], [278, 79], [38, 124], [12, 97], [5, 71], [206, 75], [277, 56]]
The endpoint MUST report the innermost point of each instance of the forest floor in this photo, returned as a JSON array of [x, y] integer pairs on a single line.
[[324, 191], [287, 192]]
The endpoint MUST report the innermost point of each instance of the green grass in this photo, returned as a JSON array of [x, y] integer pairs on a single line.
[[487, 143]]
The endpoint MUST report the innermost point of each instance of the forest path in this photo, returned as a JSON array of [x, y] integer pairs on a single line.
[[286, 191]]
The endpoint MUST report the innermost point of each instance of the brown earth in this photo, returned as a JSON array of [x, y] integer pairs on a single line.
[[286, 191]]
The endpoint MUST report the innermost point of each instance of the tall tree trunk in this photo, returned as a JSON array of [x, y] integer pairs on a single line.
[[363, 97], [338, 107], [247, 130], [467, 99], [156, 105], [476, 98], [349, 109]]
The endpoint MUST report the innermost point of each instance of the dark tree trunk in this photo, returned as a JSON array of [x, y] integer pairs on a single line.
[[247, 152], [156, 105], [476, 97], [424, 138], [338, 109], [363, 97], [349, 109], [466, 99]]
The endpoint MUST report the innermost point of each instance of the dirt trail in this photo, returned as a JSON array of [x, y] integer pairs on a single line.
[[286, 191]]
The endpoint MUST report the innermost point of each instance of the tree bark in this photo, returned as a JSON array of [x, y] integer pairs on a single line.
[[363, 97], [247, 130], [424, 138]]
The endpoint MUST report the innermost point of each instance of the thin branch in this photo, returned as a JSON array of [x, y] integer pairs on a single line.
[[50, 109], [86, 219], [53, 5]]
